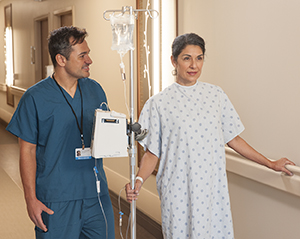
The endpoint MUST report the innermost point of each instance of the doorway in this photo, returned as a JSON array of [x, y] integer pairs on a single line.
[[41, 47], [63, 17], [66, 19]]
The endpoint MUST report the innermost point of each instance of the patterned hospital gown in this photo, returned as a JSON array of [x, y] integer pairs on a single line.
[[188, 129]]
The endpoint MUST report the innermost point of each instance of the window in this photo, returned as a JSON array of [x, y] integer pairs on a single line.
[[9, 63], [154, 50]]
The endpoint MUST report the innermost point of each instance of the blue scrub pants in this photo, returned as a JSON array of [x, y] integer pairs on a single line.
[[80, 219]]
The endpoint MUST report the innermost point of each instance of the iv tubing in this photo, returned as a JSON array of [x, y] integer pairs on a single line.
[[98, 195]]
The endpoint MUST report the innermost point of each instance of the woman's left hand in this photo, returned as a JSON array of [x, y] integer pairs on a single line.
[[279, 165]]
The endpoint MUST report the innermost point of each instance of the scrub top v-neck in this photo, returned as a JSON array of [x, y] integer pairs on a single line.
[[63, 92]]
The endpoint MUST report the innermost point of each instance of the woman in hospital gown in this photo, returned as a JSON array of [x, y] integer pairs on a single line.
[[189, 124]]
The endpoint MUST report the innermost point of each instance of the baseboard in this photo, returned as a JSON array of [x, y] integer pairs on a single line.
[[5, 115], [3, 122], [146, 222]]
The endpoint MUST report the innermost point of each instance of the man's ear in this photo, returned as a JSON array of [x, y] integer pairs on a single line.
[[60, 59]]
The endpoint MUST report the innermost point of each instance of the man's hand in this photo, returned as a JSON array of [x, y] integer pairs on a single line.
[[35, 209]]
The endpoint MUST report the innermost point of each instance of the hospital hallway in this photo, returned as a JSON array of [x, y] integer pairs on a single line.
[[14, 221]]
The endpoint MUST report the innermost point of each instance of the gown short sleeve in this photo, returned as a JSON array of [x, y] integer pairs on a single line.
[[150, 120], [231, 122]]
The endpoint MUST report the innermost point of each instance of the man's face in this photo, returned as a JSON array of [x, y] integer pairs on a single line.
[[78, 64]]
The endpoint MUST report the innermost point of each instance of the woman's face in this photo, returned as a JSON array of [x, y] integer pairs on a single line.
[[188, 65]]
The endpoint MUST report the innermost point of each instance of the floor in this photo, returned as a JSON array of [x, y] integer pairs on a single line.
[[14, 222]]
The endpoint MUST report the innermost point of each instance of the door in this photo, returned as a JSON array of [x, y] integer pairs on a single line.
[[44, 47]]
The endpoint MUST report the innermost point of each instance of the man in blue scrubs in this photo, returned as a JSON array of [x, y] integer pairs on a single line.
[[54, 121]]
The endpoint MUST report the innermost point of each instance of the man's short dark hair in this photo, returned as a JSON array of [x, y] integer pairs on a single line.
[[61, 40]]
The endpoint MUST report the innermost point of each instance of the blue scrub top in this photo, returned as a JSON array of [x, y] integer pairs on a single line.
[[43, 117]]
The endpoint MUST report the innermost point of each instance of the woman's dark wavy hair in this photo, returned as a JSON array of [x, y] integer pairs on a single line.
[[61, 40], [182, 41]]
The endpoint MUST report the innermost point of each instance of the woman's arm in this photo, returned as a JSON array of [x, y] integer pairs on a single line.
[[243, 148], [148, 163]]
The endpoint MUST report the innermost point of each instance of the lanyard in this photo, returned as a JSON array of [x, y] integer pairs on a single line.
[[79, 127]]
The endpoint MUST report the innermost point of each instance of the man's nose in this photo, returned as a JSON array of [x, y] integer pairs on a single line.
[[88, 60]]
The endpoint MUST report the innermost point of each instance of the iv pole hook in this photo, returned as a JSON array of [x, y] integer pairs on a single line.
[[127, 9]]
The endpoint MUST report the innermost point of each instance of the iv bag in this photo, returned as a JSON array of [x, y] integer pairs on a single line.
[[122, 26]]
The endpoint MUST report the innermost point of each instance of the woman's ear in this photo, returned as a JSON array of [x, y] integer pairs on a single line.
[[174, 63], [60, 59]]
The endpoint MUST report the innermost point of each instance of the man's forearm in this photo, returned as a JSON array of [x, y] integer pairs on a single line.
[[28, 168]]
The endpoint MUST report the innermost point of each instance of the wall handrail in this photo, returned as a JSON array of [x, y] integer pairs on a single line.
[[293, 168], [241, 166]]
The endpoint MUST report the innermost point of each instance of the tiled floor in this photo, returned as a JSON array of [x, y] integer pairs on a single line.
[[9, 161]]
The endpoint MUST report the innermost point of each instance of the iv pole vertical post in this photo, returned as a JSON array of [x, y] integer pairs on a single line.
[[131, 134], [133, 154], [133, 148]]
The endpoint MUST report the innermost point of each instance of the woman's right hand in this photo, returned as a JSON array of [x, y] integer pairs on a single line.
[[132, 194], [148, 163]]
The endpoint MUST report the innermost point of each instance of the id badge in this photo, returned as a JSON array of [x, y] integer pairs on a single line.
[[83, 154]]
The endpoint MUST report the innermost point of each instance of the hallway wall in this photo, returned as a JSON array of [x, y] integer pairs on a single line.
[[253, 54]]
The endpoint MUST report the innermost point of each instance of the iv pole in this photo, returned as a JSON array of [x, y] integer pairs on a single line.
[[131, 145]]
